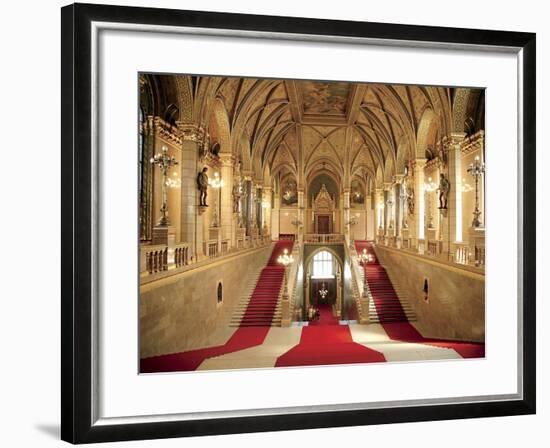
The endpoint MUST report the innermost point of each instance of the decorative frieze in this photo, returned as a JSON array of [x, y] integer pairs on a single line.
[[473, 143], [166, 132]]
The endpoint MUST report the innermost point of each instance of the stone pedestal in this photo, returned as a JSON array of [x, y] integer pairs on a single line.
[[431, 234], [165, 235], [476, 241]]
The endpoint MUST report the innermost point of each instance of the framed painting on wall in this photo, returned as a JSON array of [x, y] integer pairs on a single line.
[[231, 223]]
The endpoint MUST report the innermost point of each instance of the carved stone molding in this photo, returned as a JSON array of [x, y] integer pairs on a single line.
[[473, 143], [192, 132], [166, 132]]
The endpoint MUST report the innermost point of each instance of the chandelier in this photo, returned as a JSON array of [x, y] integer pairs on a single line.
[[366, 257], [323, 291], [285, 258]]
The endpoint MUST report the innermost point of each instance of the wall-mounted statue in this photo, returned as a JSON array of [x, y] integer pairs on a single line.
[[410, 200], [202, 183], [203, 151], [444, 188], [215, 149], [236, 196]]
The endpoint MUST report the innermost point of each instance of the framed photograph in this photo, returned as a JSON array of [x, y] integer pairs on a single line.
[[276, 223]]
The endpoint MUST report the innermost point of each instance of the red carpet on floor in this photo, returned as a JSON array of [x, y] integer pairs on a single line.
[[325, 342], [252, 331], [392, 315]]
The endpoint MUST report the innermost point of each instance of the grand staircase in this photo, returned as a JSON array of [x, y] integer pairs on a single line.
[[388, 303], [260, 306]]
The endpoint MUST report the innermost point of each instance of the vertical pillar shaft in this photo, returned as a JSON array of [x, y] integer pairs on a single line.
[[226, 197], [419, 198], [455, 194], [191, 229]]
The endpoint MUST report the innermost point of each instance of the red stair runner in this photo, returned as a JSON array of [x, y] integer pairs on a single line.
[[264, 298], [393, 317], [252, 331], [387, 303], [326, 342]]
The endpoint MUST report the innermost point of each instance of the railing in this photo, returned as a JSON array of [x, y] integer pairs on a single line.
[[357, 286], [156, 259], [287, 303], [225, 246], [468, 253], [211, 248], [287, 236], [181, 254], [433, 248], [479, 253], [323, 238], [461, 253]]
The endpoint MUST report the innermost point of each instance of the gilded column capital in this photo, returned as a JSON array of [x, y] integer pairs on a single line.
[[387, 186], [227, 160], [456, 138], [398, 178], [420, 163]]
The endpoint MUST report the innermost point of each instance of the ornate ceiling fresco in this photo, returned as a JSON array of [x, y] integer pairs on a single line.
[[324, 97], [276, 127]]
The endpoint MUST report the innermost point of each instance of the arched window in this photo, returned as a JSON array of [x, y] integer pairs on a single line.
[[323, 265]]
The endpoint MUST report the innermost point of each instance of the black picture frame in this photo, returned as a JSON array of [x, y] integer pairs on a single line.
[[76, 233]]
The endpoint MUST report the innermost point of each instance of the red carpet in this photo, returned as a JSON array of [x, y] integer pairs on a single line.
[[254, 327], [392, 316], [326, 342]]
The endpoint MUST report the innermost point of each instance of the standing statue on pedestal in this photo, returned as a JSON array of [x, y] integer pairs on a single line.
[[202, 183], [444, 188]]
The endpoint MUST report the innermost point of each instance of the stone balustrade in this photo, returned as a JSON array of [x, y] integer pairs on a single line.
[[470, 253], [461, 253], [323, 238], [291, 274], [155, 259], [181, 254]]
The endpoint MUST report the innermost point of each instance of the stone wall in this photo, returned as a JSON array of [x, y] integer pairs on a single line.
[[181, 312], [456, 305]]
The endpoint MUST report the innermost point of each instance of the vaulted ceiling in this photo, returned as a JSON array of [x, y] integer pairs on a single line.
[[277, 126]]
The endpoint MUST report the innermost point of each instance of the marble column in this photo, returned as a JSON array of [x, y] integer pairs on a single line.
[[347, 214], [301, 216], [398, 204], [379, 211], [389, 202], [275, 218], [267, 207], [226, 198], [454, 206], [191, 231], [419, 204]]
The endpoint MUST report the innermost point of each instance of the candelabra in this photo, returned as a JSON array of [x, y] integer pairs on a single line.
[[430, 187], [216, 183], [164, 162], [296, 223], [380, 216], [476, 170], [285, 259], [390, 205]]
